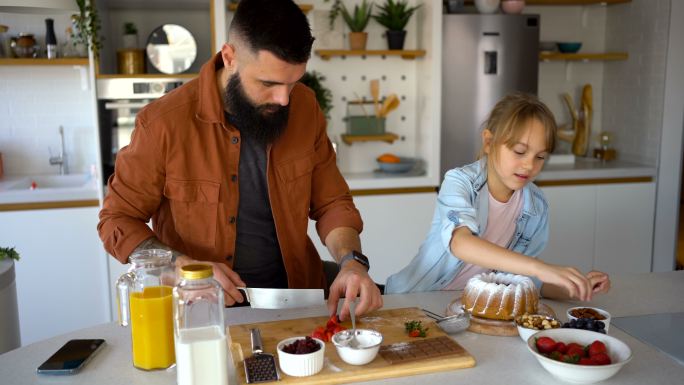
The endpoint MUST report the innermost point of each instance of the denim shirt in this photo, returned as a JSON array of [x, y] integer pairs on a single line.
[[463, 201]]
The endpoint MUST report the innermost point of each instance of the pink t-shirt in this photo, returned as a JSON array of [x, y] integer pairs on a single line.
[[501, 220]]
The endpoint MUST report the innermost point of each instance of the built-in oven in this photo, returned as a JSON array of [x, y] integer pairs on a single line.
[[119, 100]]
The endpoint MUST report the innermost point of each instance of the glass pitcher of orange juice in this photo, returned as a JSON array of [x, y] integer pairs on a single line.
[[144, 294]]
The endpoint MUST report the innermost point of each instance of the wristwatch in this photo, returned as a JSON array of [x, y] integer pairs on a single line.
[[356, 256]]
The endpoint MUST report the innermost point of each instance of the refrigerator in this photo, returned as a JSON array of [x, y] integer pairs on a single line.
[[485, 57]]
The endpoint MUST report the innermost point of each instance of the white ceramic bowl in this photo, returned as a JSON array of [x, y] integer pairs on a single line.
[[600, 311], [369, 344], [619, 353], [525, 333], [300, 365]]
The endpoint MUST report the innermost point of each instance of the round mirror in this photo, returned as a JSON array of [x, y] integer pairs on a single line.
[[171, 49]]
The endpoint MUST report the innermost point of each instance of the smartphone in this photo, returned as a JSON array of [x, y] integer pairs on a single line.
[[71, 357]]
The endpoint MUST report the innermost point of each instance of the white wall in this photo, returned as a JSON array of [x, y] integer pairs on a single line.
[[36, 100]]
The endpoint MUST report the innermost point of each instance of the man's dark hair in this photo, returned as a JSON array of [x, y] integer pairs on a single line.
[[277, 26]]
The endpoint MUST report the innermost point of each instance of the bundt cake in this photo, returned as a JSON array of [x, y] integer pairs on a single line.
[[500, 296]]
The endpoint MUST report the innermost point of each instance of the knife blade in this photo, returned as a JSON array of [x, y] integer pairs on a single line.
[[263, 298]]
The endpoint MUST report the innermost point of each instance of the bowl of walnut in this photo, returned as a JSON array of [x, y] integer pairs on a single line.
[[529, 324]]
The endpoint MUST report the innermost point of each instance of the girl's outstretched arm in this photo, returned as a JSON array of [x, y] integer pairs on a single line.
[[600, 283], [477, 251]]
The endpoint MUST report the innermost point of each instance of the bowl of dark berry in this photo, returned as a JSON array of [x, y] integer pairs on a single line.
[[301, 356], [588, 318]]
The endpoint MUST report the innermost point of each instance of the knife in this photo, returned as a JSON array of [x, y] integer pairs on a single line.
[[261, 298]]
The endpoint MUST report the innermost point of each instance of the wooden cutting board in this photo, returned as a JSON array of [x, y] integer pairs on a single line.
[[388, 322]]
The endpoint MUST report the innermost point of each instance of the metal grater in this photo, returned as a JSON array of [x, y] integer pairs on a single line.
[[260, 367]]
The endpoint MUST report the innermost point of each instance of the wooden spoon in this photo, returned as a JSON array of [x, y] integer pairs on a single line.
[[389, 105], [375, 92]]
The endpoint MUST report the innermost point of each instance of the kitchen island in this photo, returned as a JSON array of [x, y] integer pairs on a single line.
[[499, 359]]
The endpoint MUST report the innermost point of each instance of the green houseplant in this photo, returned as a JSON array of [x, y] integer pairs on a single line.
[[394, 15], [314, 80], [87, 23], [8, 253], [357, 21]]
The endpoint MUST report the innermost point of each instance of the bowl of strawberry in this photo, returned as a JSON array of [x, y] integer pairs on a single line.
[[579, 356]]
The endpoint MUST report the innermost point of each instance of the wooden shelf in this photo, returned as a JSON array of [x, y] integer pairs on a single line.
[[76, 61], [557, 56], [145, 76], [304, 7], [387, 137], [326, 54], [567, 2]]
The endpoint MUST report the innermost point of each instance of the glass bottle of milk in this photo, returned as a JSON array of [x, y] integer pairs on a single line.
[[201, 349]]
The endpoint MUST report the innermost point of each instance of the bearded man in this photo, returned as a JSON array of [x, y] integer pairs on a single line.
[[231, 166]]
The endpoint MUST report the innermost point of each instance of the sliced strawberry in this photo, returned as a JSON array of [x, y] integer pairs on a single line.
[[414, 333], [545, 344], [597, 347], [601, 359], [332, 322]]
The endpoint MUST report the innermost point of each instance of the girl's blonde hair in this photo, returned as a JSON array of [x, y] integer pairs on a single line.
[[508, 119]]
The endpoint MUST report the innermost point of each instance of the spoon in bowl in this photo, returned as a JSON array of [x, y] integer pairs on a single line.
[[353, 343]]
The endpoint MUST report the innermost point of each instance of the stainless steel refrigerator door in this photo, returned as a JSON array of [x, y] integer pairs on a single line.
[[485, 57]]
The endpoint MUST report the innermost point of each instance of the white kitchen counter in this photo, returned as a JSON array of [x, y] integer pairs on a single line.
[[499, 359], [49, 188], [589, 168]]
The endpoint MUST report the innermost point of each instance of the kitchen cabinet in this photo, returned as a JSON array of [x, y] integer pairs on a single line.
[[607, 227], [394, 226], [61, 276]]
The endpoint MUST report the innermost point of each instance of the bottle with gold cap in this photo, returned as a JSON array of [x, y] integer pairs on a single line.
[[201, 350]]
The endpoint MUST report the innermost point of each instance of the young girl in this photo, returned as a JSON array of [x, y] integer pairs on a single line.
[[490, 217]]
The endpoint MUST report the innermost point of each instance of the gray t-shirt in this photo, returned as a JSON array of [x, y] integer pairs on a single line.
[[258, 259]]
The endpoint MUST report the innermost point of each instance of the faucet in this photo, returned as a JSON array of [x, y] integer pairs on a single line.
[[61, 160]]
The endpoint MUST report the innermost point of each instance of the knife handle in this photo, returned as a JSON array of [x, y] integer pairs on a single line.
[[257, 346]]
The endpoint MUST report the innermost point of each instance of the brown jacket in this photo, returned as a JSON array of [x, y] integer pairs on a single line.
[[181, 167]]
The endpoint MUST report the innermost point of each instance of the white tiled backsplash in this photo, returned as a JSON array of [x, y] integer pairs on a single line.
[[34, 102], [634, 89]]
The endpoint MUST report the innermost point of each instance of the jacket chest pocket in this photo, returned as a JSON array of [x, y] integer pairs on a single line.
[[194, 207], [296, 176]]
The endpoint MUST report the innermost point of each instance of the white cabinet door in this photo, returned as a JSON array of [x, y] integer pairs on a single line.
[[62, 275], [571, 226], [624, 227], [394, 227]]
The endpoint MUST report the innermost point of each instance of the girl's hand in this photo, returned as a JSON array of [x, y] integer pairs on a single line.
[[575, 283], [600, 282]]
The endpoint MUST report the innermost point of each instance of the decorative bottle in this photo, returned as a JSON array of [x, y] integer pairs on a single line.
[[50, 39]]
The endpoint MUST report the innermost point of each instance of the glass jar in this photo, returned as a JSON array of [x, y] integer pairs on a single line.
[[201, 350], [144, 294], [24, 45]]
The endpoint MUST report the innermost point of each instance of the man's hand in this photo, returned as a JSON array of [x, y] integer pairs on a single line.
[[352, 281], [225, 276]]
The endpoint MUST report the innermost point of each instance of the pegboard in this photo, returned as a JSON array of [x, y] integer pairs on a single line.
[[416, 82]]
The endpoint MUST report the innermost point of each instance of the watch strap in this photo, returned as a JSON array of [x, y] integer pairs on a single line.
[[355, 256]]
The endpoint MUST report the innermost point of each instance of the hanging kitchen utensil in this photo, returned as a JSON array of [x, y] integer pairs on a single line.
[[375, 92], [390, 104], [260, 298], [260, 367]]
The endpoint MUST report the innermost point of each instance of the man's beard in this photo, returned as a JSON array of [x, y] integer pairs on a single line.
[[264, 123]]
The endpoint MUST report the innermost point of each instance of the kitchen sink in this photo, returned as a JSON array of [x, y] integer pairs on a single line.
[[48, 188], [50, 182]]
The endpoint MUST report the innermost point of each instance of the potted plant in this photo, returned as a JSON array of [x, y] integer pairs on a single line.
[[314, 80], [357, 21], [394, 15], [87, 24], [130, 36]]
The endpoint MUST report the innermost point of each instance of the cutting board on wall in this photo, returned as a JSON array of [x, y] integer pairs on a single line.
[[388, 322]]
